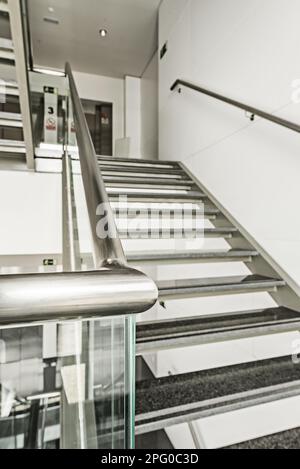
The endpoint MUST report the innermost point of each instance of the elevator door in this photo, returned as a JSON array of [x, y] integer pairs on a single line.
[[100, 121]]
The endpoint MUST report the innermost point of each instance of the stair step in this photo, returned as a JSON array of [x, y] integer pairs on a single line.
[[6, 44], [12, 146], [234, 255], [172, 289], [170, 214], [179, 333], [133, 162], [163, 184], [10, 88], [177, 233], [188, 397], [10, 119], [112, 170], [7, 57], [155, 192], [289, 439], [150, 197], [6, 50], [171, 177], [116, 181]]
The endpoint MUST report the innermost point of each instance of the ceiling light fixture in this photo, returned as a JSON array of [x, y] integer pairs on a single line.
[[47, 71], [103, 32]]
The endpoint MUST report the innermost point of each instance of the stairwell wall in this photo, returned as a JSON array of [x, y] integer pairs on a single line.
[[149, 110], [247, 51]]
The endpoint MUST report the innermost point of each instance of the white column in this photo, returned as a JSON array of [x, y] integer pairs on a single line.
[[133, 115]]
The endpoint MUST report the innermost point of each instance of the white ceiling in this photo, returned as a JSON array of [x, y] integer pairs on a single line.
[[132, 39]]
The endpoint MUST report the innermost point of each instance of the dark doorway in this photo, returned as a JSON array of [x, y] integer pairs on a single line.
[[99, 117]]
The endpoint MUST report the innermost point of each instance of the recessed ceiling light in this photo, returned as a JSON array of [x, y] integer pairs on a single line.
[[47, 71], [103, 32]]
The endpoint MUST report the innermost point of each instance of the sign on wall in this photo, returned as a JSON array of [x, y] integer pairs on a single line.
[[50, 118]]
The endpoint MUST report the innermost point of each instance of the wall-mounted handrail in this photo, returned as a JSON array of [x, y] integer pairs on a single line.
[[108, 250], [252, 110]]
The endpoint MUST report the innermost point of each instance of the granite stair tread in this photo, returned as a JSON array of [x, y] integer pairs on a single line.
[[176, 333], [217, 285], [152, 196], [189, 256], [186, 397]]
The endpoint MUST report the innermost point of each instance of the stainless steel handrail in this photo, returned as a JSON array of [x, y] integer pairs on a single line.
[[252, 110], [112, 289], [108, 250]]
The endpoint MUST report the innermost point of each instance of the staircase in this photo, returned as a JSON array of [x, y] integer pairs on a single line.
[[187, 397], [13, 149]]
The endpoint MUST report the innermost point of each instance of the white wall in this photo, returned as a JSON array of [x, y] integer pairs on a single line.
[[247, 51], [149, 110], [96, 87], [31, 224], [30, 208], [133, 114]]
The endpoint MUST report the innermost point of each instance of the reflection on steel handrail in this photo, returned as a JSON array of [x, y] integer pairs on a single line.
[[108, 250], [111, 291]]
